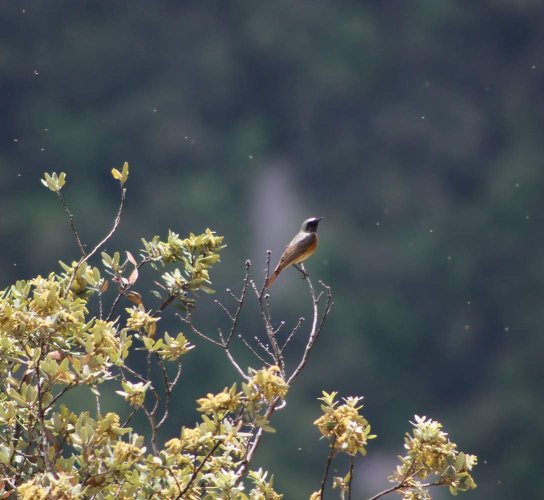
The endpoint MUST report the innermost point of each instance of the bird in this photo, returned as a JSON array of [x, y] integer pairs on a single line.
[[299, 249]]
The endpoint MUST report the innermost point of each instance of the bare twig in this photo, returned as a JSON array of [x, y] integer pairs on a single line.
[[240, 301], [225, 310], [317, 325], [72, 223], [97, 398], [99, 245], [293, 331], [64, 390], [327, 467], [235, 364], [253, 351], [351, 460], [266, 274], [129, 418], [168, 387], [188, 320], [265, 348], [264, 306], [224, 342], [276, 355], [100, 305]]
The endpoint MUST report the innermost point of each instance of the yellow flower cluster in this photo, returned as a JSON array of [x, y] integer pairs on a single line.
[[134, 393], [431, 453], [348, 430], [141, 321], [266, 385], [218, 404]]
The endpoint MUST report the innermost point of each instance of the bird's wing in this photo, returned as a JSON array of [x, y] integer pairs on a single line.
[[297, 248]]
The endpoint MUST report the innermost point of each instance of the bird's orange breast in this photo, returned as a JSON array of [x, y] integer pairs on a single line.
[[307, 252]]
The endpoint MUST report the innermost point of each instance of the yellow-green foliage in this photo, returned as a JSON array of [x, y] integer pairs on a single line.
[[431, 454], [51, 344]]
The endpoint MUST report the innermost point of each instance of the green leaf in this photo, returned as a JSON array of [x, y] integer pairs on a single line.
[[121, 176], [53, 181]]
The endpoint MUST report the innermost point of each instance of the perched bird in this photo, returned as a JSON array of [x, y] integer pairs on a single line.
[[301, 247]]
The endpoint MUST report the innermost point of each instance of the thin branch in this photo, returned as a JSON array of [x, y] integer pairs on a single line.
[[265, 348], [387, 491], [72, 223], [225, 342], [134, 373], [64, 390], [125, 288], [99, 245], [114, 305], [327, 467], [100, 305], [264, 307], [44, 445], [401, 486], [129, 418], [196, 331], [152, 424], [351, 460], [254, 444], [266, 274], [196, 471], [98, 408], [225, 310], [317, 325], [241, 300], [253, 351], [293, 331], [174, 477], [235, 364], [277, 330], [169, 385]]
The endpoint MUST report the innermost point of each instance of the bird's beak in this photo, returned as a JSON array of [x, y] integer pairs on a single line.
[[320, 218]]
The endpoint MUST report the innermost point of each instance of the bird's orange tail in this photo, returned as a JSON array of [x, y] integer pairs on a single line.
[[271, 278]]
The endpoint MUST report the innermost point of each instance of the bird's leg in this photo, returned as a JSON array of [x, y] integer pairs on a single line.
[[301, 269]]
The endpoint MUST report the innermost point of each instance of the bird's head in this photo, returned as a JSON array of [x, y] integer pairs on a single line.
[[310, 225]]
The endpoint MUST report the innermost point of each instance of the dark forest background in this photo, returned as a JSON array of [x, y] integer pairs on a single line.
[[415, 128]]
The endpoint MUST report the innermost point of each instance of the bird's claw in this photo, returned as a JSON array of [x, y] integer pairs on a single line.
[[304, 273]]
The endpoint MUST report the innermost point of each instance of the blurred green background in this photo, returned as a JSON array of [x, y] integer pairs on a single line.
[[415, 128]]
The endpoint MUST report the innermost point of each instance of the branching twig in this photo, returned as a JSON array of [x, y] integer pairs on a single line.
[[99, 245], [240, 301], [169, 386], [224, 342], [264, 307], [273, 350], [317, 325]]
